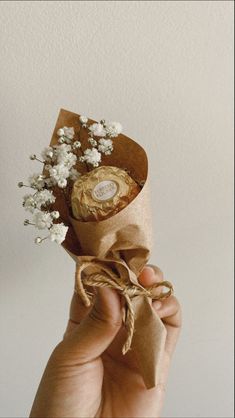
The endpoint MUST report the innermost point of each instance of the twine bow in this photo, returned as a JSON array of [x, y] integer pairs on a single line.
[[107, 278]]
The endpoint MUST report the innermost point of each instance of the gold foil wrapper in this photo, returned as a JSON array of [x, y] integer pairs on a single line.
[[101, 193]]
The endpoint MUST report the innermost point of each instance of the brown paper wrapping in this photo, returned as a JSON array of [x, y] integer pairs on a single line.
[[122, 243]]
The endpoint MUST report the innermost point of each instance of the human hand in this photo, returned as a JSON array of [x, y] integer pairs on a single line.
[[87, 375]]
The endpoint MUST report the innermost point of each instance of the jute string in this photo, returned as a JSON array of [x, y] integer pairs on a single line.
[[128, 291]]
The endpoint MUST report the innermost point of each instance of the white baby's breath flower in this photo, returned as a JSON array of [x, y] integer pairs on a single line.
[[60, 132], [59, 173], [58, 233], [38, 240], [62, 140], [61, 153], [74, 174], [77, 144], [37, 181], [29, 203], [92, 141], [91, 156], [67, 132], [113, 129], [50, 182], [97, 129], [55, 214], [105, 146], [61, 149], [42, 220], [44, 198], [68, 159], [39, 199], [83, 120], [47, 154], [62, 183]]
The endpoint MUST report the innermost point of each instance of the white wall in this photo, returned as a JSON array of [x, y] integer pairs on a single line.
[[165, 71]]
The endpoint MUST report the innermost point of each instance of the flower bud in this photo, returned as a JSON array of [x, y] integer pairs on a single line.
[[38, 240]]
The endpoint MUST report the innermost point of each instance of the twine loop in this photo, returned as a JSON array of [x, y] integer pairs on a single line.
[[128, 291]]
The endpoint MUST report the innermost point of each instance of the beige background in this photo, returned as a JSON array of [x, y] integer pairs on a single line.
[[165, 71]]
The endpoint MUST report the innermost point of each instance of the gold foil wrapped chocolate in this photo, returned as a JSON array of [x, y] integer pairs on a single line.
[[101, 193]]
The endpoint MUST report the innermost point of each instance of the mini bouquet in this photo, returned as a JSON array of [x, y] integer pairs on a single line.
[[92, 196]]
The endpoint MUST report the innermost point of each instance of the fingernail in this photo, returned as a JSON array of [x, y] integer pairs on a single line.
[[157, 304]]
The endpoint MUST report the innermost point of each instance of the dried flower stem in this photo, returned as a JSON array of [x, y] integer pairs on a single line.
[[81, 149]]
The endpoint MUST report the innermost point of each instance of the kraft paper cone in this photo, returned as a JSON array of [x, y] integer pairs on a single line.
[[148, 340], [120, 244]]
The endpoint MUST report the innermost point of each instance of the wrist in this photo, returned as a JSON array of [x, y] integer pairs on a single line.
[[162, 384]]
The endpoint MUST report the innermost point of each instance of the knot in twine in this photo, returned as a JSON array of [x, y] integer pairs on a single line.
[[107, 278]]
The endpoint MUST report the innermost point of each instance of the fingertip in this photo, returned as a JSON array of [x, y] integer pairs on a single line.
[[148, 276], [169, 311]]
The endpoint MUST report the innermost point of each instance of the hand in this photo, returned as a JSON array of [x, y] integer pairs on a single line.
[[87, 376]]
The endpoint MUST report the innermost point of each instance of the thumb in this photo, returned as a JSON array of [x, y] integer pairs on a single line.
[[98, 329]]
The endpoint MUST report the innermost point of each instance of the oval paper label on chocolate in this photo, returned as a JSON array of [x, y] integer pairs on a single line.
[[105, 190]]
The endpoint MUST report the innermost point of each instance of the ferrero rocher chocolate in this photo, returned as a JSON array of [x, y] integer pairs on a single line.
[[101, 193]]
